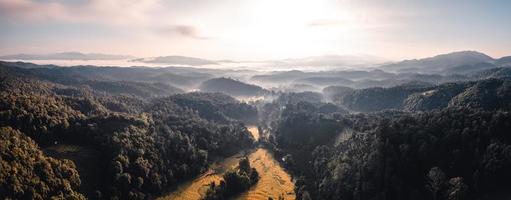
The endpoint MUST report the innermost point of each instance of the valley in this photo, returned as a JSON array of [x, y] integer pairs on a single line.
[[274, 182], [255, 100], [171, 132]]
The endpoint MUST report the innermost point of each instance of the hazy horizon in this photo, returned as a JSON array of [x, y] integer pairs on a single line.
[[255, 30]]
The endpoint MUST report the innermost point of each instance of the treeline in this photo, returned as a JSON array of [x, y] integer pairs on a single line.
[[233, 182], [146, 146]]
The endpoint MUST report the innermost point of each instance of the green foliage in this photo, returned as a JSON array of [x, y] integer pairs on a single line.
[[26, 173], [377, 99], [336, 93], [294, 98], [140, 81], [33, 108], [456, 153], [489, 94], [234, 182], [216, 107], [231, 87], [436, 98], [146, 146]]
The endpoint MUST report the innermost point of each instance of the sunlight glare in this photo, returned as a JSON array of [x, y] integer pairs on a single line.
[[300, 27]]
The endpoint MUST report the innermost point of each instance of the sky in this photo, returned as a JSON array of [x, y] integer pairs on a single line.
[[256, 29]]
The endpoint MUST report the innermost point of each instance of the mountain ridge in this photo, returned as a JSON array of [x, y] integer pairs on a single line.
[[440, 63]]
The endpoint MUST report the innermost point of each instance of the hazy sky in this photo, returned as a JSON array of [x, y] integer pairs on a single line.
[[256, 29]]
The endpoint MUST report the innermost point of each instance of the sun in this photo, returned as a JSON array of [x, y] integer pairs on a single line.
[[293, 28]]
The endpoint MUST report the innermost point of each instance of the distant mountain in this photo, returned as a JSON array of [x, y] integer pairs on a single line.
[[322, 78], [331, 60], [141, 89], [66, 56], [504, 61], [144, 90], [357, 79], [66, 75], [325, 81], [231, 87], [501, 72], [312, 62], [370, 83], [114, 80], [470, 68], [26, 65], [435, 98], [377, 98], [176, 60], [279, 77], [298, 97], [336, 93], [486, 94], [490, 94], [443, 63], [295, 87], [179, 80]]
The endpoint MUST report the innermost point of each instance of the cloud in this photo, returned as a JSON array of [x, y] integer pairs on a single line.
[[176, 60], [117, 12], [32, 10], [66, 56], [183, 30]]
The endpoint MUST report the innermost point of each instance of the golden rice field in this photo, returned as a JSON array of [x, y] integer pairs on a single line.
[[196, 188], [254, 131], [274, 181]]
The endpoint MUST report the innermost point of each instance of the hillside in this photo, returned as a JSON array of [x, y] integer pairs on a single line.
[[145, 146], [488, 94], [69, 75], [231, 87], [442, 63]]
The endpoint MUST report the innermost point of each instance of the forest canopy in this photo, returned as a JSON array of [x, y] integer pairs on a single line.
[[146, 145], [83, 132]]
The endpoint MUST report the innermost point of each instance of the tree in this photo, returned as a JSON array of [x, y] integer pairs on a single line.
[[234, 182], [244, 165], [457, 189], [26, 173], [436, 182]]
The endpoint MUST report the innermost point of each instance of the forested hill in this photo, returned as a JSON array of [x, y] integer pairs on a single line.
[[451, 153], [138, 81], [413, 141], [231, 87], [217, 107], [75, 133], [487, 94], [140, 147]]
